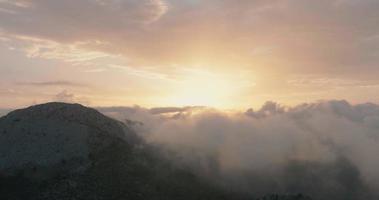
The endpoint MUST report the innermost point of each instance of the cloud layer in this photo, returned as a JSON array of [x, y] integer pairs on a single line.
[[305, 36], [292, 50], [326, 149]]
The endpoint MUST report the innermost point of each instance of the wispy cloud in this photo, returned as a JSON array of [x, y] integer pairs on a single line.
[[329, 82], [214, 32], [76, 53], [140, 72], [53, 83], [95, 70]]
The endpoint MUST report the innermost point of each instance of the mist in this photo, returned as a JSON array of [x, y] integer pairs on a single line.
[[326, 149]]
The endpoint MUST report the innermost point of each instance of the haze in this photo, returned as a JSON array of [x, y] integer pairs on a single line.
[[228, 54]]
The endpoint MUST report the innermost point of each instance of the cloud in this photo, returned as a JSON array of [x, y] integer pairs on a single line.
[[64, 96], [325, 149], [67, 97], [75, 31], [140, 73], [165, 110], [75, 53], [80, 17], [53, 83], [268, 109], [286, 34]]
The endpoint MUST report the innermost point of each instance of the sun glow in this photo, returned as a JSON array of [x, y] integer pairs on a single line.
[[205, 88]]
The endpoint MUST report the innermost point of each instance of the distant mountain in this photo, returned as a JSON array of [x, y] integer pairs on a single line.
[[67, 151]]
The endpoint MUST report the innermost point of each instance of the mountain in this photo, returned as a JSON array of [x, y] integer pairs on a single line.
[[56, 133], [67, 151]]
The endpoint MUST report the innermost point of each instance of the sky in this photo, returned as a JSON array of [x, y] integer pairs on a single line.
[[228, 54]]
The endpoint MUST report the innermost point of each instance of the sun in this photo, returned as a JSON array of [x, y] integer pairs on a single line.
[[205, 88]]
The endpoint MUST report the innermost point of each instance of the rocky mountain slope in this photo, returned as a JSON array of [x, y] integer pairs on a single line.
[[56, 133], [67, 151]]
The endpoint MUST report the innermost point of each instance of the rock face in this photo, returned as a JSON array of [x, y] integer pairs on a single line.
[[67, 151]]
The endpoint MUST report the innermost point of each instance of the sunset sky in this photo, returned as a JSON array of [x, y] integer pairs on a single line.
[[228, 54]]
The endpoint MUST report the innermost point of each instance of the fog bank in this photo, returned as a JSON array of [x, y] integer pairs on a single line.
[[325, 149]]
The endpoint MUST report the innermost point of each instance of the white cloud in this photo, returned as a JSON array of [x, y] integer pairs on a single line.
[[64, 96], [320, 140], [75, 53]]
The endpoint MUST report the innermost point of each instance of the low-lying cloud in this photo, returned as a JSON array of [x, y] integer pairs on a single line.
[[326, 149]]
